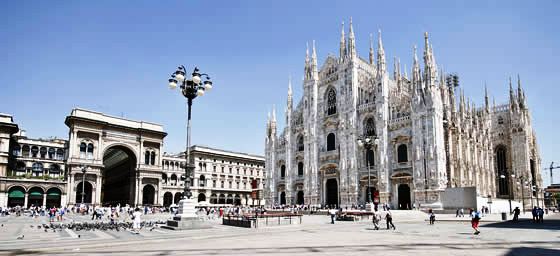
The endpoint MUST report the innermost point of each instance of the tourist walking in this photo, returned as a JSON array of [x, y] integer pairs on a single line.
[[375, 218], [389, 219], [540, 214], [332, 212], [475, 220], [432, 216], [136, 220], [534, 213], [516, 213]]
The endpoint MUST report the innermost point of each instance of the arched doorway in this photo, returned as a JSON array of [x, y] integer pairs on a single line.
[[177, 197], [331, 193], [119, 184], [404, 197], [201, 197], [87, 189], [300, 197], [53, 197], [237, 200], [16, 196], [283, 198], [35, 196], [167, 199], [222, 199], [148, 195]]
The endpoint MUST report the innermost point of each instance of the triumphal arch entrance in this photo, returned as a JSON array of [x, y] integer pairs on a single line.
[[113, 160]]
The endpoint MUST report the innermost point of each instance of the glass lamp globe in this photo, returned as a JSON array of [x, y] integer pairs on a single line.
[[368, 140], [200, 92], [180, 75], [360, 143], [196, 78], [172, 83], [208, 85]]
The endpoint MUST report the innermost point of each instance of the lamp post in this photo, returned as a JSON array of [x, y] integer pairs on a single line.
[[503, 176], [511, 194], [84, 170], [522, 181], [368, 143], [190, 88]]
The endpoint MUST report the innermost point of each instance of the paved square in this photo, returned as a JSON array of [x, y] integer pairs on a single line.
[[315, 236]]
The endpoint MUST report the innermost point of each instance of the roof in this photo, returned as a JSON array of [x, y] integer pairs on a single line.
[[84, 114]]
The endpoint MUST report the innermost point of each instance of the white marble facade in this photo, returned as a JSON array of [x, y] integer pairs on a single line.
[[430, 136]]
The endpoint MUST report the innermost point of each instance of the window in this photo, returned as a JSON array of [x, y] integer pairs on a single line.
[[83, 149], [60, 154], [402, 154], [500, 120], [331, 102], [237, 185], [300, 169], [222, 169], [369, 127], [90, 151], [51, 153], [213, 183], [222, 184], [153, 158], [230, 170], [300, 143], [282, 171], [16, 150], [54, 171], [37, 169], [331, 142], [34, 151], [202, 181], [214, 168], [370, 157], [147, 157], [230, 184], [25, 151], [43, 152]]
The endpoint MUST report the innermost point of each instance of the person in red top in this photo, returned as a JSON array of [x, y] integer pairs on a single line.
[[52, 214], [221, 212]]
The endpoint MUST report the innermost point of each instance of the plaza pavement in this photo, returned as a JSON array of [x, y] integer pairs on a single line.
[[315, 236]]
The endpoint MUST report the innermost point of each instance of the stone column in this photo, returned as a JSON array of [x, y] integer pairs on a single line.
[[26, 200], [45, 199], [98, 184]]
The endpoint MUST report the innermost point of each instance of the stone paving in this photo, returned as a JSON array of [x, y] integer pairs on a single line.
[[315, 236]]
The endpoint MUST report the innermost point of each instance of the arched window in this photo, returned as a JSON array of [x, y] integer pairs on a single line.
[[54, 171], [370, 159], [202, 181], [83, 149], [37, 169], [282, 171], [500, 120], [300, 169], [153, 158], [60, 154], [52, 153], [331, 142], [16, 150], [402, 154], [34, 151], [300, 143], [369, 127], [164, 178], [90, 151], [147, 157], [25, 151], [331, 102], [43, 152], [501, 167]]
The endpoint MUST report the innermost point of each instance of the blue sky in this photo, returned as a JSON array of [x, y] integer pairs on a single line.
[[116, 56]]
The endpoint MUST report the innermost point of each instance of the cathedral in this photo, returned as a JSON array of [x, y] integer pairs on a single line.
[[430, 145]]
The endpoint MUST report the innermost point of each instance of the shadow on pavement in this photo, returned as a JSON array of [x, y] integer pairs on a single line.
[[550, 224], [526, 251]]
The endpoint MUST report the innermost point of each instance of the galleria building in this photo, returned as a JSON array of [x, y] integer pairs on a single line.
[[433, 147], [124, 163]]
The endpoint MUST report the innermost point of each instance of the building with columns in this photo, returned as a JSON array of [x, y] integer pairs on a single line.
[[433, 146], [114, 161]]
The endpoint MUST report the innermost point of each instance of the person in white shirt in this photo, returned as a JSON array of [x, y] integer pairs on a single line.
[[332, 212], [136, 222]]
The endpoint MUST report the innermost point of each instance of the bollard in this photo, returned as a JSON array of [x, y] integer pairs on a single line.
[[504, 216]]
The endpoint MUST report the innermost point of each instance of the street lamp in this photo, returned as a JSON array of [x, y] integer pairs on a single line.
[[190, 89], [84, 170], [368, 143]]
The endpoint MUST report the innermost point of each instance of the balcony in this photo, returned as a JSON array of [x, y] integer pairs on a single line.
[[331, 156]]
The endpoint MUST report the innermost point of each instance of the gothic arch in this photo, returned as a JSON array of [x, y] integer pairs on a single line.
[[331, 101], [369, 126]]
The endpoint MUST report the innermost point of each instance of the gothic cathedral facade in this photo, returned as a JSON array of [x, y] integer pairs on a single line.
[[428, 136]]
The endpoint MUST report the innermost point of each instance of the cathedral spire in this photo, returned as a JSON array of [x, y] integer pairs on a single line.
[[428, 61], [381, 63], [273, 120], [351, 41], [415, 70], [395, 75], [405, 72], [290, 100], [512, 100], [520, 94], [342, 43], [371, 49], [314, 61], [486, 99], [452, 98]]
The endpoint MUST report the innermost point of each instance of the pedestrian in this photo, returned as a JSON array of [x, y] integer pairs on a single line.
[[432, 216], [375, 218], [534, 213], [332, 212], [457, 213], [540, 214], [516, 213], [475, 220], [389, 220], [136, 220]]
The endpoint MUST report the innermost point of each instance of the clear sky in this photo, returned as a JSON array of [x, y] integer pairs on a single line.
[[116, 56]]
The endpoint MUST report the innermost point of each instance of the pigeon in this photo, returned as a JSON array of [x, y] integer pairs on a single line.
[[79, 236], [152, 228], [46, 230], [38, 227], [20, 237], [2, 225], [31, 226]]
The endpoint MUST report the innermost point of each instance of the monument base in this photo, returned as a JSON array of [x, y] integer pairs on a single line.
[[186, 217]]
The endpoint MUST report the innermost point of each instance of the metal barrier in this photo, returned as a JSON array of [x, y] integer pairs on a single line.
[[238, 221]]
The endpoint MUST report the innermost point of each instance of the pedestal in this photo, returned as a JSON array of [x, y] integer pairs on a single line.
[[186, 217], [370, 207]]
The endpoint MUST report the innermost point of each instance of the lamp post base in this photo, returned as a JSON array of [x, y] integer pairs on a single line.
[[370, 207], [186, 217]]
